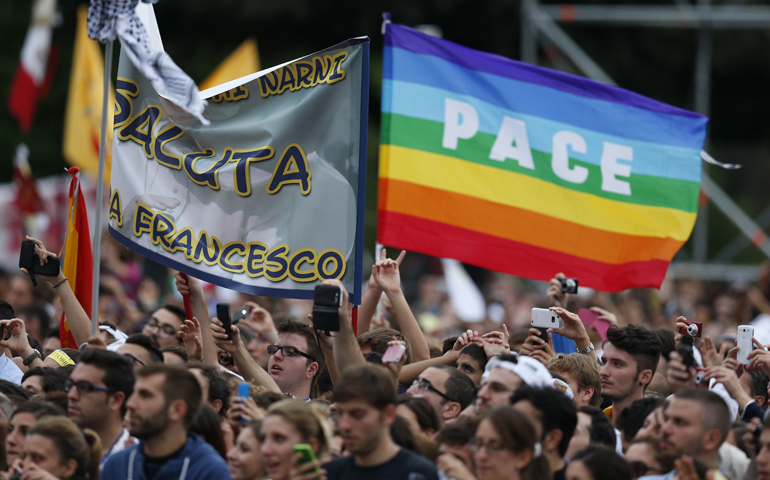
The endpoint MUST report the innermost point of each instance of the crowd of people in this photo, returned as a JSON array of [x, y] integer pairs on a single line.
[[404, 389]]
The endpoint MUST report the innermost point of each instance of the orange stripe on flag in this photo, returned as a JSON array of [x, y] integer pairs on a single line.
[[521, 225]]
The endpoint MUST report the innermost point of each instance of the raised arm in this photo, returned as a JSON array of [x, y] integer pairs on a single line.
[[192, 286], [388, 278], [347, 353], [248, 368], [372, 296], [79, 323]]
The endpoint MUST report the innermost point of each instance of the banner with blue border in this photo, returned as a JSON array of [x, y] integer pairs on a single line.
[[269, 198]]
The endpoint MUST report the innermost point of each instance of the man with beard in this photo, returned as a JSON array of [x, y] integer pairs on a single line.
[[366, 405], [697, 423], [164, 404], [97, 392], [629, 360]]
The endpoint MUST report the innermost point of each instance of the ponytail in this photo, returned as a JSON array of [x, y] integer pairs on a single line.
[[94, 444]]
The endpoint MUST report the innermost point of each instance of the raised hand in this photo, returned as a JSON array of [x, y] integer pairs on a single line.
[[383, 257], [387, 276], [190, 333], [260, 321], [554, 294]]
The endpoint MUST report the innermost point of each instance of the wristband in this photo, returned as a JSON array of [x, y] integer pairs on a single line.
[[31, 358], [63, 280]]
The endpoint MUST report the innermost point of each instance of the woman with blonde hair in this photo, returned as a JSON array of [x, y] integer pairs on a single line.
[[288, 423], [57, 449]]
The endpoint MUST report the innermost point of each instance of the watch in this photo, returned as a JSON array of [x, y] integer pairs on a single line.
[[31, 358], [585, 351]]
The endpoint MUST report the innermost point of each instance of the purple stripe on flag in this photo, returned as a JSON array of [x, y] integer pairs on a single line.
[[415, 41]]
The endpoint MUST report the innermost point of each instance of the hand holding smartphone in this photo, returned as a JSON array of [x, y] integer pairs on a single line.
[[745, 343], [394, 354], [223, 314], [591, 319], [308, 455]]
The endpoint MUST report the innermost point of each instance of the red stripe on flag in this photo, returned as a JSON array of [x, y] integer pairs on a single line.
[[22, 101], [508, 256]]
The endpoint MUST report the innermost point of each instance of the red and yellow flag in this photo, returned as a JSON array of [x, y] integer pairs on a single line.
[[76, 255]]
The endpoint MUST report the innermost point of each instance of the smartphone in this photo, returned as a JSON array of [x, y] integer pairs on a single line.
[[544, 318], [244, 391], [326, 303], [240, 314], [745, 343], [223, 314], [692, 329], [31, 261], [591, 319], [394, 354], [307, 454]]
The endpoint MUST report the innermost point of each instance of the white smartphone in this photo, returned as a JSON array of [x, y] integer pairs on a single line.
[[544, 318], [744, 342]]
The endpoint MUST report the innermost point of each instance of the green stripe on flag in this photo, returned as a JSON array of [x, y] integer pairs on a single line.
[[426, 135]]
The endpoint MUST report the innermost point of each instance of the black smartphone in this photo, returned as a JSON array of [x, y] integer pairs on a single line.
[[326, 303], [31, 261], [542, 333], [223, 314]]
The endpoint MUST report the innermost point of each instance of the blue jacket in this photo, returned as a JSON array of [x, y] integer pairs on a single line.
[[197, 460]]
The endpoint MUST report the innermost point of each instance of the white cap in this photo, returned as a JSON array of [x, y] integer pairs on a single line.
[[531, 371]]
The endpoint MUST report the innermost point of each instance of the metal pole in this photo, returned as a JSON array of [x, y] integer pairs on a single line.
[[528, 33], [97, 240], [702, 106]]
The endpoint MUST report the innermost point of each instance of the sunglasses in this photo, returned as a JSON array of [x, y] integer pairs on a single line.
[[84, 387], [640, 469], [287, 351]]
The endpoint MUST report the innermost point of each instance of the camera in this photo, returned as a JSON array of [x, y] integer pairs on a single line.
[[693, 329], [326, 303], [700, 378], [569, 285]]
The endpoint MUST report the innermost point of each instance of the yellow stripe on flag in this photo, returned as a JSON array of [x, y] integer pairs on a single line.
[[83, 117], [521, 191]]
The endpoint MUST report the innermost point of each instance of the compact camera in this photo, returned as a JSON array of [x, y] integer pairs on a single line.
[[693, 329], [569, 285], [700, 378]]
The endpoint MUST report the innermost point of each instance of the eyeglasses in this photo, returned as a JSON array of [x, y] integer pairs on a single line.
[[167, 329], [287, 351], [133, 359], [492, 448], [426, 385], [84, 387], [640, 469]]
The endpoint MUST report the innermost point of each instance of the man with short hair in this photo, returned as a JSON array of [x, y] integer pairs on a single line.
[[471, 361], [447, 390], [52, 342], [140, 349], [582, 375], [554, 416], [163, 406], [97, 391], [629, 360], [455, 439], [295, 359], [593, 428], [175, 354], [164, 324], [365, 398], [697, 423], [377, 341], [215, 386], [504, 374]]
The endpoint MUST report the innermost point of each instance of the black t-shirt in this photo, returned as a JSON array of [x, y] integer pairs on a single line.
[[153, 465], [406, 465]]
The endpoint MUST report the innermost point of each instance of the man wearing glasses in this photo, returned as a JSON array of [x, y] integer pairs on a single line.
[[295, 360], [164, 324], [447, 390], [96, 395]]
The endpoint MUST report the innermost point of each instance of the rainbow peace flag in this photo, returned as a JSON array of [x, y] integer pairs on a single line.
[[530, 171]]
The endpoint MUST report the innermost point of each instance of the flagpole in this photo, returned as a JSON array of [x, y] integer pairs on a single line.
[[100, 191]]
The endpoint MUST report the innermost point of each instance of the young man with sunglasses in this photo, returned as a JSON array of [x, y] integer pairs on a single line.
[[448, 390], [295, 360], [96, 395]]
